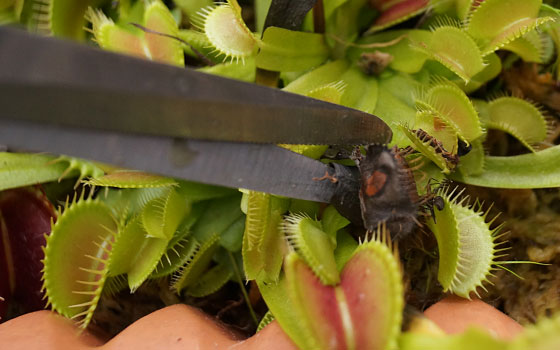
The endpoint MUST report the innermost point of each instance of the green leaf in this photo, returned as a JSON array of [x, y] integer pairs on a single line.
[[244, 71], [148, 44], [210, 282], [157, 17], [20, 169], [360, 91], [227, 32], [232, 237], [393, 110], [332, 221], [535, 170], [131, 179], [491, 70], [276, 296], [405, 58], [313, 245], [429, 147], [345, 247], [398, 12], [496, 23], [263, 241], [455, 49], [192, 7], [136, 254], [472, 164], [530, 47], [472, 338], [196, 265], [220, 214], [466, 244], [286, 50], [261, 10], [451, 107], [62, 18], [323, 75], [161, 216], [76, 258], [197, 41], [519, 118]]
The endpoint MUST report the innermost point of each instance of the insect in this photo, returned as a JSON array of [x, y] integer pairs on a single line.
[[452, 159], [463, 148], [387, 190]]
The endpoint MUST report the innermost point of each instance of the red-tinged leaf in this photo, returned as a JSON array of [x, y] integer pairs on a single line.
[[7, 278], [162, 49], [25, 218], [317, 306], [373, 295], [400, 11], [383, 5]]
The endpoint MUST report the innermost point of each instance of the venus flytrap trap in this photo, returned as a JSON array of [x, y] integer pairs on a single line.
[[431, 148], [395, 12], [77, 258], [227, 32], [362, 311], [446, 113], [531, 47], [189, 274], [519, 118], [467, 245], [135, 254], [497, 23], [454, 48], [135, 41], [20, 169], [313, 245], [263, 241], [61, 18], [130, 179]]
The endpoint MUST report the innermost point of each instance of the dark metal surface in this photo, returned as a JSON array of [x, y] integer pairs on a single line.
[[259, 167], [50, 80]]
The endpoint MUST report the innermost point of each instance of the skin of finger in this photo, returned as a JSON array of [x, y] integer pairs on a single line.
[[454, 315]]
